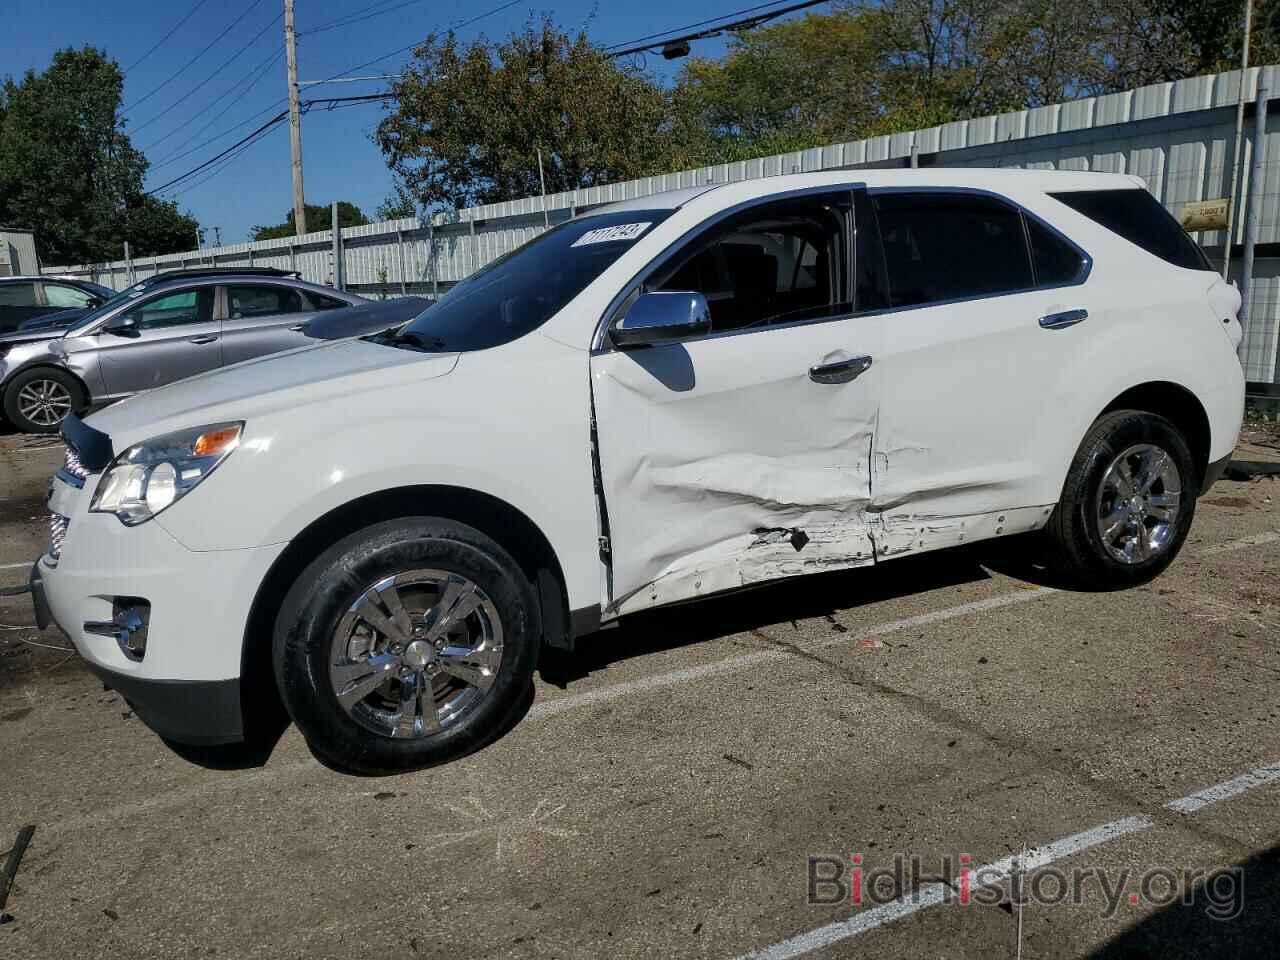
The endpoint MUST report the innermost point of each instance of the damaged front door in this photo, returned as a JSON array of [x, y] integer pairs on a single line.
[[742, 455]]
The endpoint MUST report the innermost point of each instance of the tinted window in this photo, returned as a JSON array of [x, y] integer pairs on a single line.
[[246, 302], [948, 247], [61, 295], [17, 294], [175, 309], [519, 292], [320, 302], [1056, 261], [775, 263], [1140, 218]]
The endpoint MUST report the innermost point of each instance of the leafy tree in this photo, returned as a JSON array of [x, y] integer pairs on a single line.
[[471, 118], [68, 170], [785, 87], [318, 218], [398, 206]]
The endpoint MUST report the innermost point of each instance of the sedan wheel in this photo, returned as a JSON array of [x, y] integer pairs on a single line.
[[44, 402]]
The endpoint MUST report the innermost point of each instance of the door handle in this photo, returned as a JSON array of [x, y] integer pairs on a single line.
[[207, 338], [842, 371], [1060, 321], [298, 327]]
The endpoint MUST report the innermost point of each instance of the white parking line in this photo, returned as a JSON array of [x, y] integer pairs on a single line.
[[26, 565], [999, 870], [1226, 790], [549, 708]]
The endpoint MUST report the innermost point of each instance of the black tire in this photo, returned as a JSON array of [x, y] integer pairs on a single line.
[[66, 382], [327, 589], [1076, 544]]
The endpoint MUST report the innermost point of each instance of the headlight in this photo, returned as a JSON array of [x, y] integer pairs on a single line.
[[150, 476]]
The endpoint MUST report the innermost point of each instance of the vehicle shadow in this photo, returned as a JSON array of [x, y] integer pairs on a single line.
[[788, 601], [1233, 913]]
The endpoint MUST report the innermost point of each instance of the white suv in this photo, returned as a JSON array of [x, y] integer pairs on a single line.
[[668, 398]]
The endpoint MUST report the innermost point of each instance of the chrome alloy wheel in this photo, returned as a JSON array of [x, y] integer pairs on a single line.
[[1138, 503], [415, 653], [44, 402]]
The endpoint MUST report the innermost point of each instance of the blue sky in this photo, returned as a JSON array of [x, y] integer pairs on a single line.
[[339, 160]]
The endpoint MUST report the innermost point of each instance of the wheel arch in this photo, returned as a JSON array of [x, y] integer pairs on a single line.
[[1176, 404], [494, 517]]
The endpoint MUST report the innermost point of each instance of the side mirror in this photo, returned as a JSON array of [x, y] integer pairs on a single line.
[[661, 317], [122, 326]]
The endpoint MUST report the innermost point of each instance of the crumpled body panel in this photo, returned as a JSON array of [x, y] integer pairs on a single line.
[[724, 464]]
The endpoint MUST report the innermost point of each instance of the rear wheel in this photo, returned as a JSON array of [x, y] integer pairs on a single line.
[[1127, 503], [406, 645], [37, 401]]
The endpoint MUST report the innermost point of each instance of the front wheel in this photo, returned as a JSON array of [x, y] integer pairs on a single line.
[[406, 644], [1127, 503], [38, 400]]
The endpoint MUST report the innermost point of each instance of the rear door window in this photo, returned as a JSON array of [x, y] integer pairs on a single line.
[[1142, 220], [246, 302], [17, 295], [940, 247]]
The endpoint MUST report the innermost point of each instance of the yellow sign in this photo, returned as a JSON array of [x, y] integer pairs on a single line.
[[1204, 215]]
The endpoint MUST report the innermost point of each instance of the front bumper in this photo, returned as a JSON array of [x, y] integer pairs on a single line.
[[187, 685], [198, 712]]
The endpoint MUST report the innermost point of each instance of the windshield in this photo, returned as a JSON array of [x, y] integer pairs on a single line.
[[520, 291]]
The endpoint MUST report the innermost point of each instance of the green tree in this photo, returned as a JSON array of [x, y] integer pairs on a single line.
[[68, 170], [318, 218], [398, 206], [795, 84], [471, 118]]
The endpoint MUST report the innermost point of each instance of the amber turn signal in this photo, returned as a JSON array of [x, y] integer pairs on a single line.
[[215, 442]]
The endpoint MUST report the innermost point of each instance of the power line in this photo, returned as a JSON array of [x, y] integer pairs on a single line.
[[264, 128], [214, 159], [226, 63], [177, 73], [455, 26], [241, 86], [742, 24], [690, 26], [159, 42], [363, 15]]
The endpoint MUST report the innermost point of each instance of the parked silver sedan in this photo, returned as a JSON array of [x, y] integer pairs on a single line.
[[152, 334]]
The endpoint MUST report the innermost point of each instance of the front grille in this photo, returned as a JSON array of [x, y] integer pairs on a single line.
[[57, 523]]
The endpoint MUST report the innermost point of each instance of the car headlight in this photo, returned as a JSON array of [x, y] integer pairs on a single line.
[[152, 475]]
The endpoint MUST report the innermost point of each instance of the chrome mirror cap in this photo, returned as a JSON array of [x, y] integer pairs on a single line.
[[661, 317]]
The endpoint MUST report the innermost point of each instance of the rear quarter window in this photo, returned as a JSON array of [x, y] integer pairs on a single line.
[[1142, 220]]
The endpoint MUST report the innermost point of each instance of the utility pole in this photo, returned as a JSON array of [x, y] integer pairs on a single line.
[[295, 121], [217, 236], [1239, 142]]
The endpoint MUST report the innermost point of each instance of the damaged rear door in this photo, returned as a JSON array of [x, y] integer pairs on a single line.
[[742, 455]]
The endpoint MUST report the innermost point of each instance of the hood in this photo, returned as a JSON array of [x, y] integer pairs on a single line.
[[30, 336], [296, 378], [60, 320], [365, 318]]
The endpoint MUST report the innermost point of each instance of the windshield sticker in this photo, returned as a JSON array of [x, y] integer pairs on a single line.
[[623, 231]]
